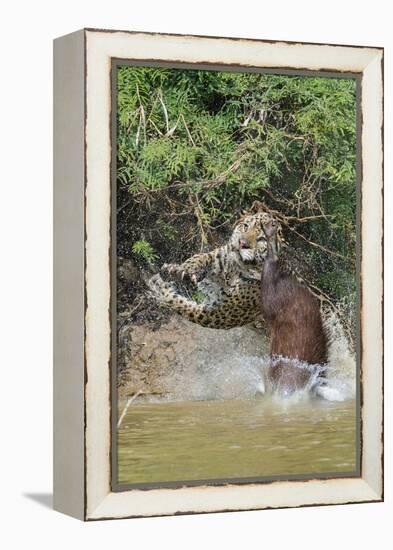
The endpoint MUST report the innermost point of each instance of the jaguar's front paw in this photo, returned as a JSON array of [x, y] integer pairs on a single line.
[[161, 290], [155, 284], [180, 271]]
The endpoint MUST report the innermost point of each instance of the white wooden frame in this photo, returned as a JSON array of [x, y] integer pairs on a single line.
[[82, 439]]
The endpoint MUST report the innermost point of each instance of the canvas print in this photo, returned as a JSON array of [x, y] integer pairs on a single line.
[[236, 276]]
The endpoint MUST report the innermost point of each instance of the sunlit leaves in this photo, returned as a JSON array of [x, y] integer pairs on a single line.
[[229, 138]]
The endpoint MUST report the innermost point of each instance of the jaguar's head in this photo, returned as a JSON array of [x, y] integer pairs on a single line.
[[248, 239]]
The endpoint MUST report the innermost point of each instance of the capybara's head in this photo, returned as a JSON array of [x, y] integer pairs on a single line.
[[270, 229]]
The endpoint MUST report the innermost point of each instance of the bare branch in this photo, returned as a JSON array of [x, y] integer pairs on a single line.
[[316, 245], [208, 184], [164, 109], [171, 131], [286, 221], [187, 130], [296, 218], [155, 127], [142, 119], [138, 131], [199, 216]]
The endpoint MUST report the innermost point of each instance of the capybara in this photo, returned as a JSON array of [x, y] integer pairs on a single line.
[[294, 320]]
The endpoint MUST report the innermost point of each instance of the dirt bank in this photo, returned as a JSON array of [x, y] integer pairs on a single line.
[[182, 360]]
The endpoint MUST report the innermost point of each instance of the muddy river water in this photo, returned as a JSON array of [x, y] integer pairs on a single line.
[[223, 439]]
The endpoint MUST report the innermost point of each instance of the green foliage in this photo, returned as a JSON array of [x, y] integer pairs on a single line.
[[144, 250], [197, 296], [197, 147]]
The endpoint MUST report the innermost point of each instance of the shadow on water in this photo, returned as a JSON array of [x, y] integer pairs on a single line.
[[45, 499]]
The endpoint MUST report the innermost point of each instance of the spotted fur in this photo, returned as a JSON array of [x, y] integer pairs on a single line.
[[228, 277]]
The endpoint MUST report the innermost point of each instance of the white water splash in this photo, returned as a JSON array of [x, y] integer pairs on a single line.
[[232, 364], [342, 360], [234, 376]]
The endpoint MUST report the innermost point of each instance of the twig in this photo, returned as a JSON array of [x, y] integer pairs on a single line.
[[152, 109], [209, 184], [133, 310], [164, 109], [245, 123], [155, 127], [187, 130], [130, 400], [127, 203], [144, 123], [285, 220], [138, 130], [281, 200], [142, 118], [171, 131], [198, 214], [298, 219], [316, 245], [308, 218]]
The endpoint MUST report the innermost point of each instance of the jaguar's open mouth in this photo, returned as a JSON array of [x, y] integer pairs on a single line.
[[247, 254]]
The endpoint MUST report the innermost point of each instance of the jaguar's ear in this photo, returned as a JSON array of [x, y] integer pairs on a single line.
[[256, 207], [239, 220]]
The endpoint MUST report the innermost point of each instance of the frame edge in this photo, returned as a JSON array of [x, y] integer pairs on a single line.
[[107, 508], [68, 289]]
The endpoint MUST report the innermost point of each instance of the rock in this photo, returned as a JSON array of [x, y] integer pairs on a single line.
[[127, 270], [183, 360]]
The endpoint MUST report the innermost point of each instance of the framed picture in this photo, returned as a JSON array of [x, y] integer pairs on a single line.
[[218, 274]]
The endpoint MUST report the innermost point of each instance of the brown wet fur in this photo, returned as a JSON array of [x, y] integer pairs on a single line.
[[294, 319]]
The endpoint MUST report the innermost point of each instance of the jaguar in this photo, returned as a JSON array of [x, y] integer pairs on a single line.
[[228, 277]]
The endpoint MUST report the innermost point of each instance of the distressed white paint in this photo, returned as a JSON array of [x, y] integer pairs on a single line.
[[101, 46], [371, 271]]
